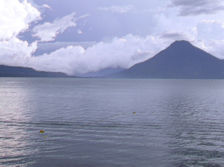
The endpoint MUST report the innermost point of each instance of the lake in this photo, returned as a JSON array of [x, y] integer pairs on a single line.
[[111, 122]]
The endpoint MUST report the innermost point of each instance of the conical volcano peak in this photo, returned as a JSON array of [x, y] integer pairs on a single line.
[[181, 43], [180, 60], [183, 49]]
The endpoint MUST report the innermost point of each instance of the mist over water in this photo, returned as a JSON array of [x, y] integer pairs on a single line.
[[92, 122]]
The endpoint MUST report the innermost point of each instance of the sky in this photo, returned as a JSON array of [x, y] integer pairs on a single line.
[[81, 36]]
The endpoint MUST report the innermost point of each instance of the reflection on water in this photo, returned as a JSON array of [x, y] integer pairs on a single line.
[[92, 122], [13, 137]]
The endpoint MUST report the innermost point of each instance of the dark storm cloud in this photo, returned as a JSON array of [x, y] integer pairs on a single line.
[[197, 7]]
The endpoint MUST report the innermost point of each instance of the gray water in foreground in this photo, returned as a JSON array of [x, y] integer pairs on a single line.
[[92, 123]]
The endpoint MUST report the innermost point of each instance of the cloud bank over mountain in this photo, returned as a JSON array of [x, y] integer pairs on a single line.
[[118, 53], [121, 34]]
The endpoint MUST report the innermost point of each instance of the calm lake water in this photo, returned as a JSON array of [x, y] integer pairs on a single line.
[[111, 123]]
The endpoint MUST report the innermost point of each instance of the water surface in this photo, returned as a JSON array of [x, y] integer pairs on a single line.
[[111, 123]]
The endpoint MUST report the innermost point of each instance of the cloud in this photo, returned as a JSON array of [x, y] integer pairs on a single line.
[[74, 60], [79, 31], [120, 52], [210, 29], [117, 9], [48, 47], [210, 37], [15, 52], [15, 17], [46, 6], [197, 7], [174, 36], [48, 31]]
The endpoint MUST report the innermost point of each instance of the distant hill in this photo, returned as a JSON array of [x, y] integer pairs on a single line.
[[180, 60], [101, 73], [8, 71]]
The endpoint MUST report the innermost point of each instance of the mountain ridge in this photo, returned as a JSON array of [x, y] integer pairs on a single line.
[[16, 71], [181, 59]]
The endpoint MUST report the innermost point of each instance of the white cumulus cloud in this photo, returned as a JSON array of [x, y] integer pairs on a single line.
[[48, 31], [15, 17], [15, 52], [120, 52], [46, 6]]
